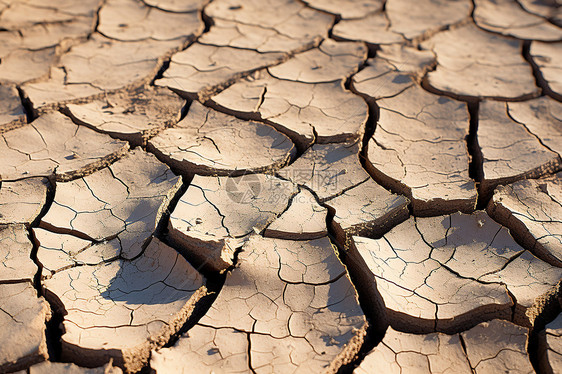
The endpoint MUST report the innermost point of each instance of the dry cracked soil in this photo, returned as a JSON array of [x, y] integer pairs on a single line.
[[280, 186]]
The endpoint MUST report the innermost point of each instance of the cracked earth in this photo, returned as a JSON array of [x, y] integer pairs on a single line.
[[280, 186]]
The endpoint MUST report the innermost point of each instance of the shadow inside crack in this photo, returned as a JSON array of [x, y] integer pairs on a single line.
[[118, 308]]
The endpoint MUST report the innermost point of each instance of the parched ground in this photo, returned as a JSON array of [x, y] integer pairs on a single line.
[[280, 186]]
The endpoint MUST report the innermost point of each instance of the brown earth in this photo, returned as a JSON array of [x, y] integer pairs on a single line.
[[280, 186]]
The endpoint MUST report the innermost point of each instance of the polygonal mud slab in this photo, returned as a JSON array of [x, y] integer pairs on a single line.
[[406, 59], [22, 66], [329, 62], [423, 18], [306, 112], [179, 6], [304, 219], [509, 18], [327, 169], [16, 264], [547, 57], [122, 309], [22, 201], [509, 150], [347, 8], [134, 115], [542, 117], [31, 38], [408, 353], [533, 284], [28, 13], [373, 29], [545, 8], [203, 70], [421, 295], [208, 142], [97, 66], [62, 368], [366, 210], [419, 149], [381, 80], [208, 350], [55, 147], [33, 31], [265, 26], [125, 200], [498, 346], [57, 252], [532, 209], [129, 20], [217, 214], [550, 347], [392, 71], [287, 307], [38, 35], [449, 273], [472, 63], [404, 20], [22, 327], [12, 113]]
